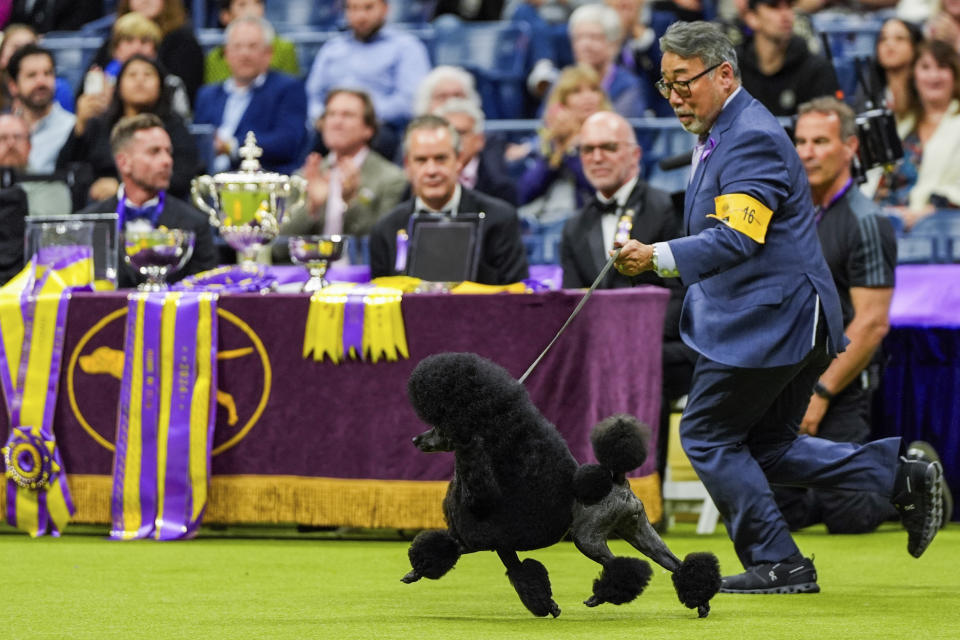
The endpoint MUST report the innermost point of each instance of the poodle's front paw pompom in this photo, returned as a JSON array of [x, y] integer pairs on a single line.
[[622, 580], [432, 554], [696, 580]]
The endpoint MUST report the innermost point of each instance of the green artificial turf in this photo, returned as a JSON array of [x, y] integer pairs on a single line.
[[222, 585]]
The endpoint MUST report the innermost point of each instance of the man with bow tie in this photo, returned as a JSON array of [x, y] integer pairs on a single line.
[[625, 207], [431, 159], [143, 154]]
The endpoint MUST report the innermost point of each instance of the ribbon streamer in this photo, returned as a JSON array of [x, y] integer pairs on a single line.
[[33, 314], [166, 416]]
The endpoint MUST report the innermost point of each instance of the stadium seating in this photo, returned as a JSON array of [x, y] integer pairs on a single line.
[[494, 52]]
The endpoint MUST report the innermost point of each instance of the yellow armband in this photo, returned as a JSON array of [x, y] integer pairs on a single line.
[[743, 213]]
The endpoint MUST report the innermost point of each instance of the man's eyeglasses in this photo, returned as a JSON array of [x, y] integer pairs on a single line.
[[13, 137], [682, 87], [606, 147]]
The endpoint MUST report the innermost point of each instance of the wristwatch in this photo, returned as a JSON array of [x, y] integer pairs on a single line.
[[822, 391]]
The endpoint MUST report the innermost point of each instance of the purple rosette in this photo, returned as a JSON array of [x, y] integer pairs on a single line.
[[28, 459]]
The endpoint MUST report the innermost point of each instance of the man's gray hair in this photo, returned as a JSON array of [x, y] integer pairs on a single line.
[[703, 40], [827, 105], [597, 14], [430, 122], [466, 107], [269, 33], [421, 101]]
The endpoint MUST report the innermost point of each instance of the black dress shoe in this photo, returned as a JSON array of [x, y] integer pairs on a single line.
[[924, 451], [780, 577], [918, 497]]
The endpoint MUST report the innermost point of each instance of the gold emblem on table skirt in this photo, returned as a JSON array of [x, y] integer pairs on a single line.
[[242, 344]]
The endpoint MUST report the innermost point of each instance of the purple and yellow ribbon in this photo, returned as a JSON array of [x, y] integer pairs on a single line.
[[361, 322], [33, 315], [166, 416]]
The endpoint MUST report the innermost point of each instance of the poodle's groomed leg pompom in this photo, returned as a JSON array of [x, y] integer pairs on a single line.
[[532, 582], [622, 580], [697, 580], [432, 554]]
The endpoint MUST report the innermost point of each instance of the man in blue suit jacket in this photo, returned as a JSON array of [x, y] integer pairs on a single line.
[[763, 313], [271, 104]]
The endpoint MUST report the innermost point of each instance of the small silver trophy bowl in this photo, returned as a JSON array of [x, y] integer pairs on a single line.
[[316, 252], [156, 254], [248, 205]]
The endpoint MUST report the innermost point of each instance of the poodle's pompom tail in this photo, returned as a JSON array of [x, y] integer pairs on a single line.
[[620, 442], [432, 554], [696, 580], [622, 580], [591, 483], [532, 582]]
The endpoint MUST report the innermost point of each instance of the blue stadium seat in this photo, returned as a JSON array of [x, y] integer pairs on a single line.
[[417, 12], [849, 35], [494, 52], [916, 249]]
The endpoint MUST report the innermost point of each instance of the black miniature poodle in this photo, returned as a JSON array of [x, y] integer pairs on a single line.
[[517, 487]]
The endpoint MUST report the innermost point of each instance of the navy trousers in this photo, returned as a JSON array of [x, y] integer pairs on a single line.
[[739, 431]]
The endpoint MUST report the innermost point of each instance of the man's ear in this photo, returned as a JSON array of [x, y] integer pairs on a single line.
[[122, 160], [852, 145]]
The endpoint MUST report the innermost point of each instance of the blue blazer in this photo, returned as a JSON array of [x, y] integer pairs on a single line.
[[752, 304], [277, 115]]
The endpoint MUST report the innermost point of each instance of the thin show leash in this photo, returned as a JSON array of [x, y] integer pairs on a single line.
[[576, 310]]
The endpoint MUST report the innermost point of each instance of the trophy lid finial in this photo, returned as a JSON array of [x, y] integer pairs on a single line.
[[250, 152]]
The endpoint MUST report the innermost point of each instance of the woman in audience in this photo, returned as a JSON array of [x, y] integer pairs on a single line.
[[553, 185], [928, 178], [16, 36], [131, 34], [139, 89], [179, 52], [896, 51]]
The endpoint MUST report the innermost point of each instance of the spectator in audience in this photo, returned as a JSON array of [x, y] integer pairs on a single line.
[[215, 68], [640, 52], [16, 36], [385, 62], [441, 84], [55, 15], [31, 82], [482, 169], [596, 34], [624, 206], [269, 103], [553, 185], [928, 177], [859, 245], [895, 53], [944, 22], [132, 34], [140, 89], [353, 186], [179, 51], [431, 159], [144, 158], [44, 197], [777, 67]]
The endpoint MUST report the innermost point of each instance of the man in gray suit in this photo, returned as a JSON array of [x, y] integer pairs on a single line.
[[350, 188]]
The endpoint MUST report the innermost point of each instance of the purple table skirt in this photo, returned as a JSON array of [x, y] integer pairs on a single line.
[[303, 418]]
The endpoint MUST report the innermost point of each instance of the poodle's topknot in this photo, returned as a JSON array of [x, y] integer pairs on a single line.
[[620, 442]]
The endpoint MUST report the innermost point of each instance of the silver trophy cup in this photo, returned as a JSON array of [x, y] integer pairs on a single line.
[[156, 254], [248, 205]]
